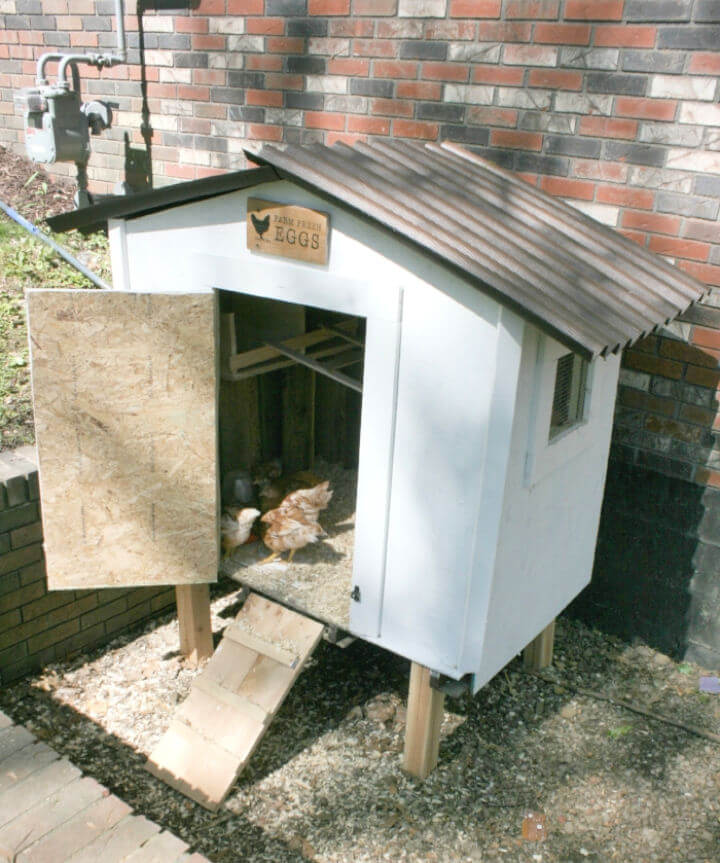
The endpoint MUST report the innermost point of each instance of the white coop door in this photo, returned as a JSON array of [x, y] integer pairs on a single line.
[[124, 386]]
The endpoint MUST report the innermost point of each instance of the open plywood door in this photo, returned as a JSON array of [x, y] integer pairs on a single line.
[[124, 386]]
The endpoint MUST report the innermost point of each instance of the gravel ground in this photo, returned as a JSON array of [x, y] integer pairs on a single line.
[[326, 782]]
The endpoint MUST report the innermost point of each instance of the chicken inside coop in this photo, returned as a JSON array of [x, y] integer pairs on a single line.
[[289, 417]]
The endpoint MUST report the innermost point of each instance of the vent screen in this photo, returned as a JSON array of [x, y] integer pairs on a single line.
[[569, 396]]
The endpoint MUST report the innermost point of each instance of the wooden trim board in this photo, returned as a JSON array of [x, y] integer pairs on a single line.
[[233, 700]]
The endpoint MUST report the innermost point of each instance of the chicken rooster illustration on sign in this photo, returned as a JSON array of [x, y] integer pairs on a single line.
[[260, 225]]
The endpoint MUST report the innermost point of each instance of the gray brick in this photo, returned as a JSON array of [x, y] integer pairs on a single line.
[[440, 111], [538, 121], [231, 95], [662, 464], [52, 636], [23, 556], [368, 87], [25, 535], [304, 101], [306, 65], [16, 490], [9, 583], [653, 61], [683, 392], [191, 60], [286, 8], [687, 205], [706, 185], [247, 115], [173, 41], [535, 163], [4, 543], [83, 640], [28, 7], [310, 136], [637, 154], [466, 134], [10, 656], [346, 104], [589, 58], [45, 604], [571, 146], [702, 38], [57, 40], [96, 23], [658, 10], [307, 27], [705, 10], [671, 133], [31, 574], [163, 600], [126, 620], [421, 49], [17, 22], [246, 79], [206, 142], [10, 619], [606, 82], [18, 516], [103, 612]]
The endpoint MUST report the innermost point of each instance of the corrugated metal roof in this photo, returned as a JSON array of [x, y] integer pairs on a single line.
[[588, 285]]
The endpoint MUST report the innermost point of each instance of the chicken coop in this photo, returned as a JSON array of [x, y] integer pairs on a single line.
[[432, 335]]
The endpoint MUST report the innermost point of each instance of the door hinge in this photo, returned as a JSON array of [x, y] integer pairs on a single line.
[[355, 593]]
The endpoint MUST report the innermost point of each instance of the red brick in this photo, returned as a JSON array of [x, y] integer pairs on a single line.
[[418, 90], [212, 7], [394, 69], [265, 27], [193, 93], [702, 377], [444, 71], [344, 138], [705, 337], [182, 172], [191, 25], [563, 34], [704, 272], [350, 27], [284, 82], [547, 9], [83, 40], [685, 353], [641, 199], [590, 169], [652, 365], [245, 7], [704, 64], [208, 76], [515, 139], [558, 79], [708, 232], [625, 36], [498, 75], [644, 401], [415, 129], [483, 116], [635, 236], [566, 188], [604, 127], [698, 415], [374, 7], [653, 222], [208, 43], [450, 30], [324, 120], [269, 98], [705, 476], [193, 125], [285, 45], [263, 132], [680, 248], [594, 10], [348, 66], [374, 47], [475, 8], [647, 109], [648, 345], [369, 125], [329, 7], [209, 172], [530, 55], [68, 22], [264, 62], [161, 91], [392, 107], [504, 31]]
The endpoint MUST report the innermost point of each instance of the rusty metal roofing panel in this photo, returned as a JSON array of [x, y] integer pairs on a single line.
[[585, 283]]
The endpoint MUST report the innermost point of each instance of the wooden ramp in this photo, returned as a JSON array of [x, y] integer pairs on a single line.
[[233, 700]]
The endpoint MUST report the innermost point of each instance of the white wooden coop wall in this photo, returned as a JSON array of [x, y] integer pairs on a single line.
[[447, 429]]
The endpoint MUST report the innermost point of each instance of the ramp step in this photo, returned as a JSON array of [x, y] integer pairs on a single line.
[[233, 700]]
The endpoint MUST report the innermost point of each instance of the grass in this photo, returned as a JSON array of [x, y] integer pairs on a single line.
[[26, 262]]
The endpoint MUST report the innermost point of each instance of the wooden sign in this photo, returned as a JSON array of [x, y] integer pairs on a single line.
[[287, 231]]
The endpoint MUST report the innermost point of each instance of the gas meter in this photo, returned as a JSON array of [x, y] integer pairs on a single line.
[[56, 129]]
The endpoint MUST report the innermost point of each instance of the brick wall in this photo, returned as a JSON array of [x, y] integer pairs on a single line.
[[37, 627], [610, 104]]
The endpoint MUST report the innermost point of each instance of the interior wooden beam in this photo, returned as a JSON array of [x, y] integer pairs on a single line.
[[193, 608], [424, 718], [539, 653]]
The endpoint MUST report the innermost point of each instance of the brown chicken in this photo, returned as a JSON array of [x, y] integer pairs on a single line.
[[273, 487], [235, 528], [294, 524]]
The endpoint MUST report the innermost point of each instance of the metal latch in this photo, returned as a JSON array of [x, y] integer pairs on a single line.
[[355, 593]]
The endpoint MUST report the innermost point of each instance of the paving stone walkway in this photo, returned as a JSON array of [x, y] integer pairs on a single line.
[[51, 813]]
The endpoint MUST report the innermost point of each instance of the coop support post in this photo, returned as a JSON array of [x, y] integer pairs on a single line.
[[424, 717], [193, 608], [539, 653]]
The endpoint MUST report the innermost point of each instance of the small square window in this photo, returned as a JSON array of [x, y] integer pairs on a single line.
[[569, 397]]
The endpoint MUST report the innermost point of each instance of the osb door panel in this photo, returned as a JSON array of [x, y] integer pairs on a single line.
[[124, 386]]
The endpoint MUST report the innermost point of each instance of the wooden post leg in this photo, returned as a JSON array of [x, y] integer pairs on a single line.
[[424, 717], [193, 607], [539, 653]]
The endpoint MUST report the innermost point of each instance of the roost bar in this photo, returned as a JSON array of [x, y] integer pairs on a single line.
[[434, 336]]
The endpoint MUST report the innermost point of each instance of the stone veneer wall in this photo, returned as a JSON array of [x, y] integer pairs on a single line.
[[37, 626]]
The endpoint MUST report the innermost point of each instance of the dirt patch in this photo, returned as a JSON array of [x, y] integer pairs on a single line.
[[28, 189]]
